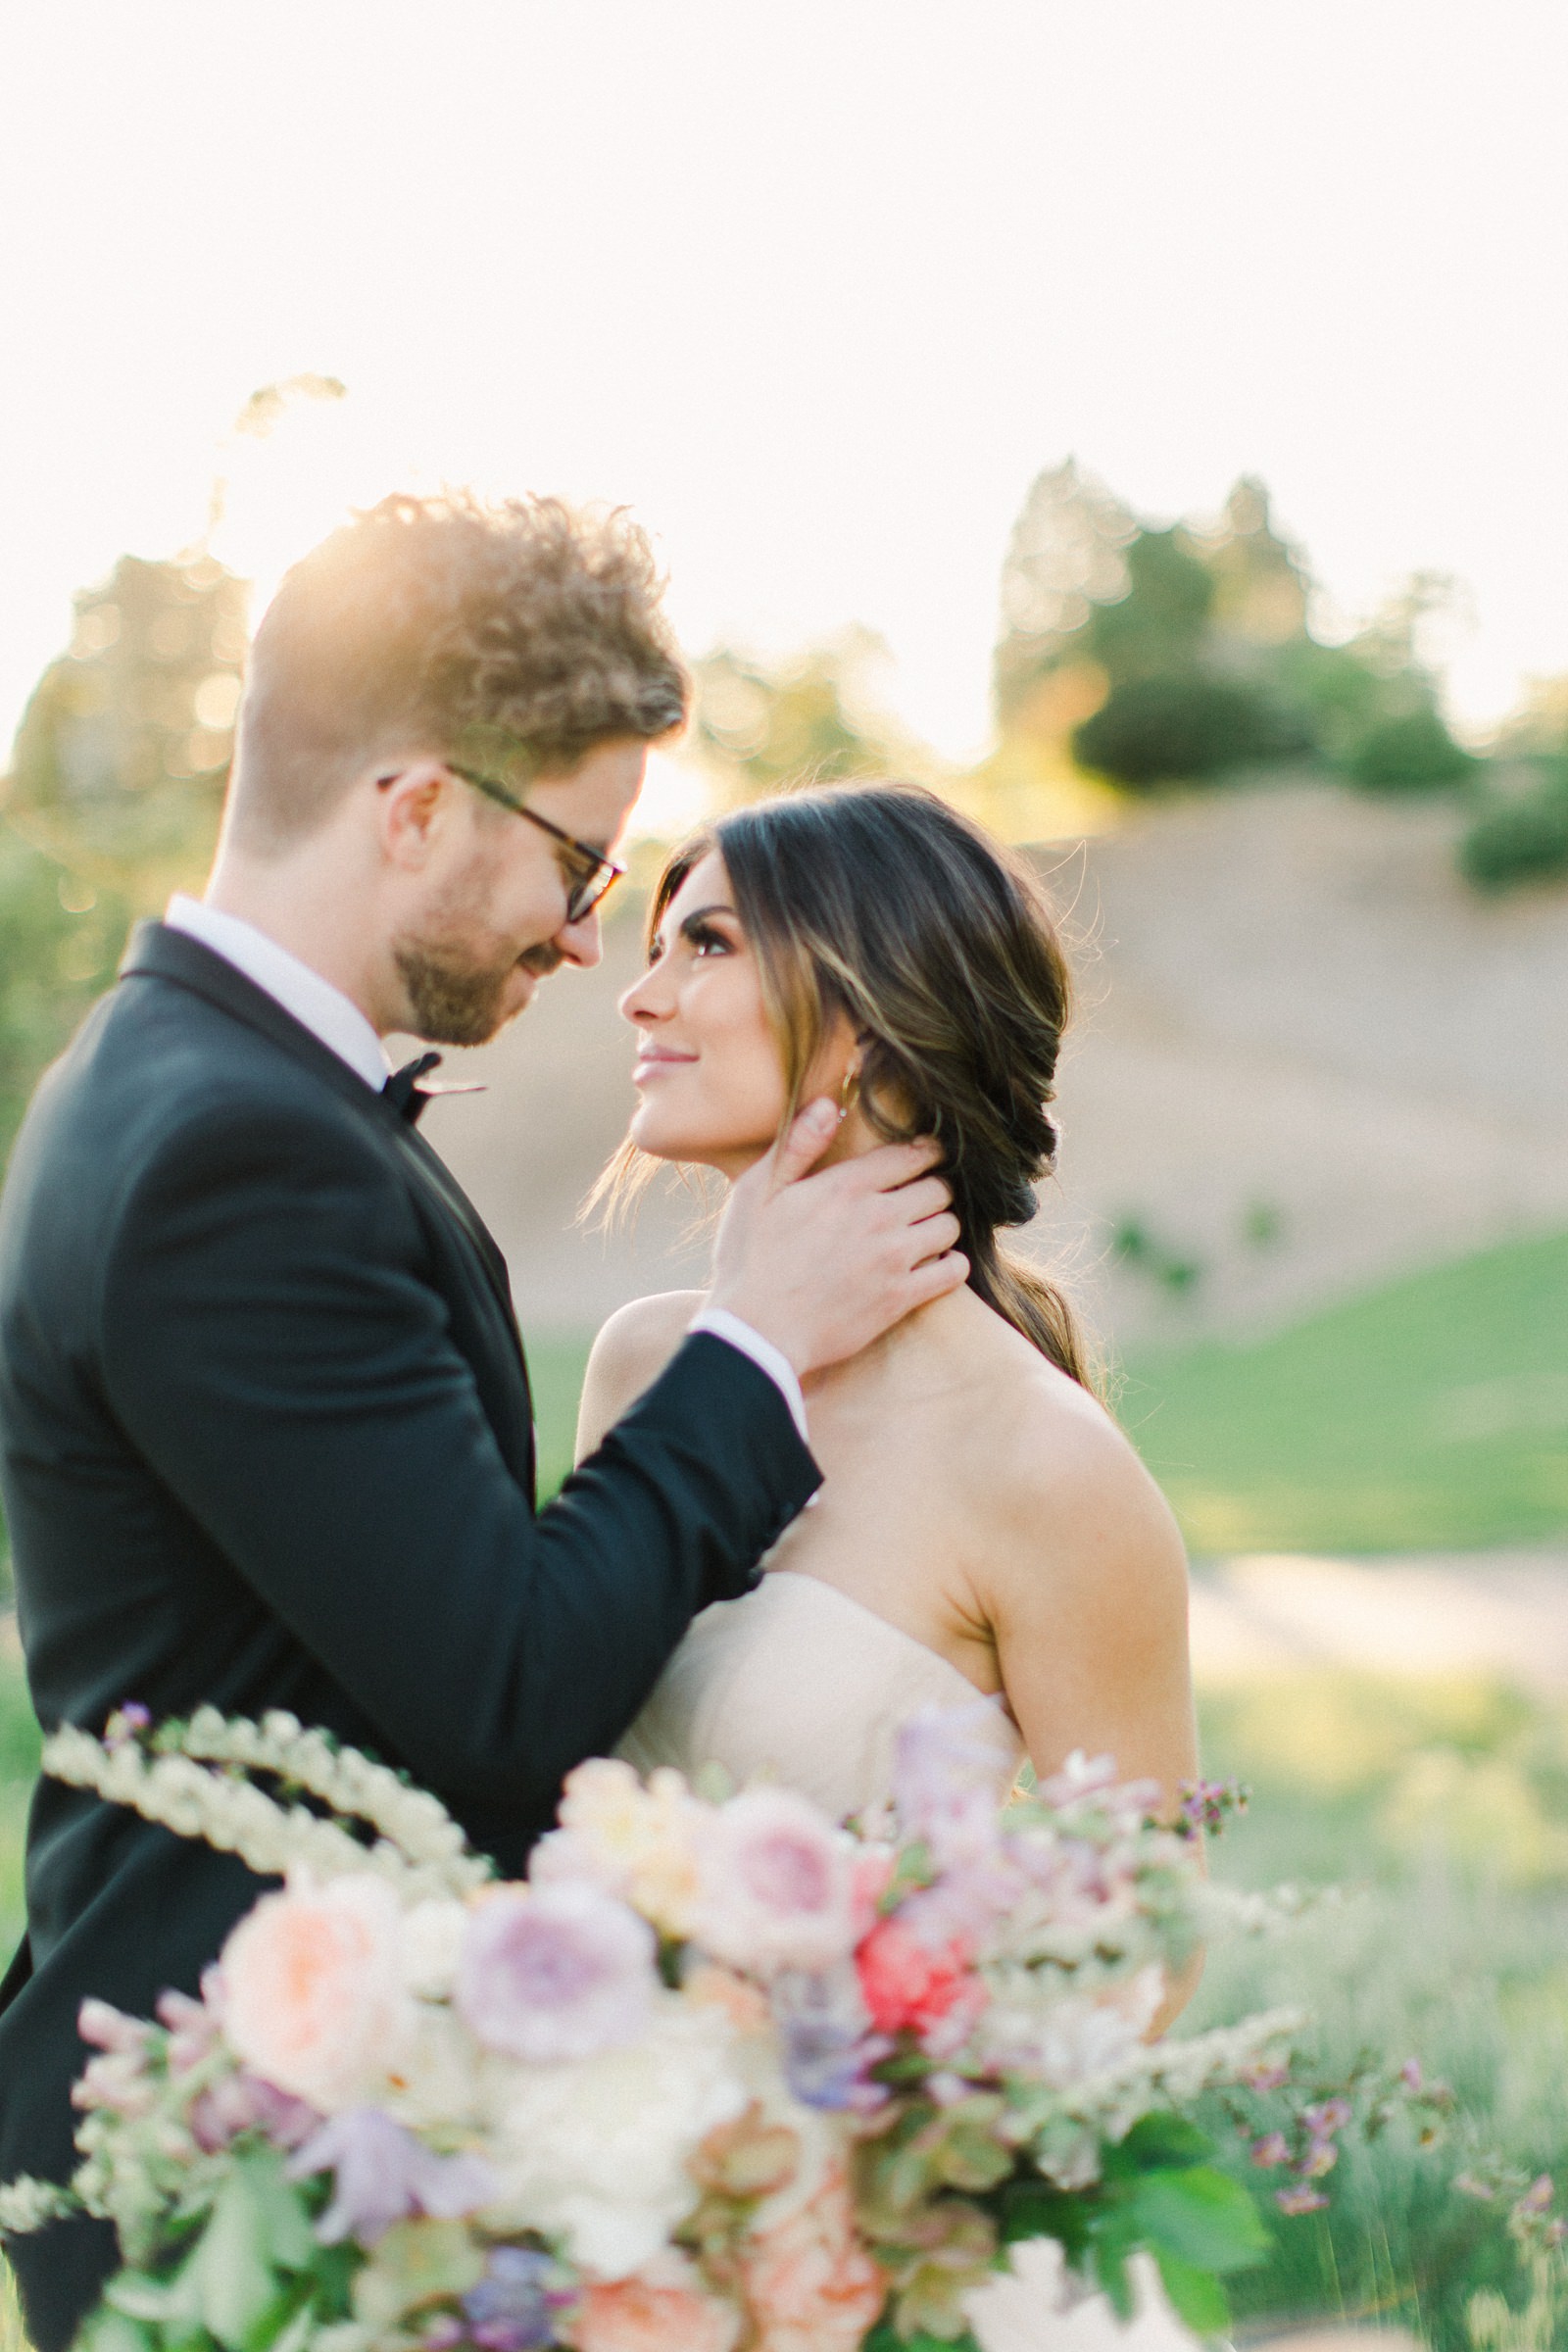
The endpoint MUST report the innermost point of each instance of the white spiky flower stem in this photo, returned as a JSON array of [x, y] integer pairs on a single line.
[[204, 1799]]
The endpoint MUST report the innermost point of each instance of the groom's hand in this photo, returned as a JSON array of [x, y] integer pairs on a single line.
[[821, 1265]]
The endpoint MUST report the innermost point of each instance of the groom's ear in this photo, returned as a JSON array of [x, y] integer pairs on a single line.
[[414, 805]]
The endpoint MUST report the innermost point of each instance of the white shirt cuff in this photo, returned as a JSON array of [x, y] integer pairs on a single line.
[[720, 1324]]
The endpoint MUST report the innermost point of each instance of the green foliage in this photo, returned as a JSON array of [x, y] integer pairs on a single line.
[[762, 728], [1181, 654], [1157, 629], [1439, 1950], [1186, 728], [60, 939], [1521, 840], [1430, 1414], [122, 750], [1411, 753]]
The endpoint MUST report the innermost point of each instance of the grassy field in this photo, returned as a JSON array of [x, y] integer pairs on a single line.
[[1429, 1415]]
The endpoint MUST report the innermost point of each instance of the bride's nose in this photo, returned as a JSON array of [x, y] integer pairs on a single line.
[[645, 999]]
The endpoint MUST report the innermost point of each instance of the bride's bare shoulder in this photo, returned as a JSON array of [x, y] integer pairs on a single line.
[[629, 1355], [1072, 1488]]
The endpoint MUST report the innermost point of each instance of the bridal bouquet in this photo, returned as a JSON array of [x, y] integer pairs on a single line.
[[719, 2077]]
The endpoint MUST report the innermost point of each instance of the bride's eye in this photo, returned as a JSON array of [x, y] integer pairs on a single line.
[[703, 940]]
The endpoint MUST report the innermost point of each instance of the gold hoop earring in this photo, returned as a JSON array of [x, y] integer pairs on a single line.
[[849, 1091]]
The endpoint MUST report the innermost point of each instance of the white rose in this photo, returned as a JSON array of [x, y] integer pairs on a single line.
[[596, 2149]]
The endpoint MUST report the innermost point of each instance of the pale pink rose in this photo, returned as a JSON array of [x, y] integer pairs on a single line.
[[810, 2284], [775, 1884], [662, 2308], [312, 1989]]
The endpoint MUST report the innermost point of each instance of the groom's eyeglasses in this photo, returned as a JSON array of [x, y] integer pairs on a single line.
[[591, 873]]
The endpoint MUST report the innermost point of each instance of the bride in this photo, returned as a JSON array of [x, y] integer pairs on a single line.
[[984, 1533]]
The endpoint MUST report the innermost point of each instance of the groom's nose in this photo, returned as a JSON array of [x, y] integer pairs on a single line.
[[582, 943]]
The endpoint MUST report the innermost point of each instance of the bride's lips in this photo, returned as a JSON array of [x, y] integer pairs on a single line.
[[656, 1058]]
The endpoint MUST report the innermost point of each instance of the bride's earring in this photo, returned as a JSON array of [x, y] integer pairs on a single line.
[[849, 1091]]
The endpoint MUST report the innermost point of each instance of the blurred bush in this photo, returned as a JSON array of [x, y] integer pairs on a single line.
[[1411, 753], [60, 939], [1154, 729], [1521, 839]]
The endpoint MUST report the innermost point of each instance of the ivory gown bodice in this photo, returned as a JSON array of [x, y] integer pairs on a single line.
[[796, 1681]]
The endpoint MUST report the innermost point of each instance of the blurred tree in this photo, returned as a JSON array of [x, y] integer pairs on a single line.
[[1181, 652], [808, 720], [1158, 626], [60, 939], [1261, 590], [124, 748], [1067, 557]]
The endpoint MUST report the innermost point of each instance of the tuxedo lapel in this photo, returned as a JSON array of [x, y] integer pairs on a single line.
[[157, 951]]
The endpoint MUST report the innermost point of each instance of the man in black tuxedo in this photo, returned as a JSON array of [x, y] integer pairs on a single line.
[[264, 1426]]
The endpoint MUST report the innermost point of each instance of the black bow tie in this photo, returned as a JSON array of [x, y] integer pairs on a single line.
[[403, 1091]]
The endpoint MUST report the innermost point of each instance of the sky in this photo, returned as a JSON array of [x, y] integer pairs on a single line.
[[816, 287]]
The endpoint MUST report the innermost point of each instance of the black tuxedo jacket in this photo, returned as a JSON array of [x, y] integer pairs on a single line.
[[265, 1442]]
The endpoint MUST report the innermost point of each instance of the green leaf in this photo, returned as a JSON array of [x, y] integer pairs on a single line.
[[1198, 2215], [113, 2330], [1195, 2296], [231, 2275], [1157, 2141], [1110, 2268]]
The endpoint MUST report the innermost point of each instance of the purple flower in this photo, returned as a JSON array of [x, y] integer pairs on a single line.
[[514, 2307], [830, 2048], [558, 1972], [1272, 2148], [1411, 2076], [1299, 2200], [128, 1722], [945, 1782], [1327, 2117], [382, 2175], [1538, 2196]]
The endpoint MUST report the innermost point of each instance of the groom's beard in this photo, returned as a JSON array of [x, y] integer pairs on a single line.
[[456, 995]]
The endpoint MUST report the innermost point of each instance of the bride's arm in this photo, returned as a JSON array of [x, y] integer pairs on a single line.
[[1086, 1596], [627, 1357]]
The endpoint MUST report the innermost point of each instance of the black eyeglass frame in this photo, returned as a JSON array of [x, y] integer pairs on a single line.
[[582, 896]]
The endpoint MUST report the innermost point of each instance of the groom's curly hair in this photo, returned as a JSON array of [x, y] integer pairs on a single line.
[[521, 635]]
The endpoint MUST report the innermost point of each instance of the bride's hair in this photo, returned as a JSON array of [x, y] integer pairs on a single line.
[[882, 903]]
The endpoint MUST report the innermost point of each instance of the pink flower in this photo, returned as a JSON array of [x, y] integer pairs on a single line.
[[775, 1886], [238, 2103], [556, 1972], [810, 2284], [313, 1991], [1299, 2200], [909, 1985], [1272, 2148], [662, 2308]]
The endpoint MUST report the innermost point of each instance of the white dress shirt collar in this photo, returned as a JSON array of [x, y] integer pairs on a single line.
[[325, 1010]]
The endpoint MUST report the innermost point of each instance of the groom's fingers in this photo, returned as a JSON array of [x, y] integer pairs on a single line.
[[809, 1136], [934, 1236]]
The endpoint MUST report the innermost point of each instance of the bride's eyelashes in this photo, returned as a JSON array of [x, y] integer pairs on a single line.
[[699, 933]]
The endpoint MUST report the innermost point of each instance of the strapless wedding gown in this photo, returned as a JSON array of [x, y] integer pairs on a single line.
[[796, 1681]]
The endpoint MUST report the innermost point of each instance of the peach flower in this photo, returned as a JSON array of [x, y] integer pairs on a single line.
[[662, 2308], [810, 2284], [313, 1988]]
